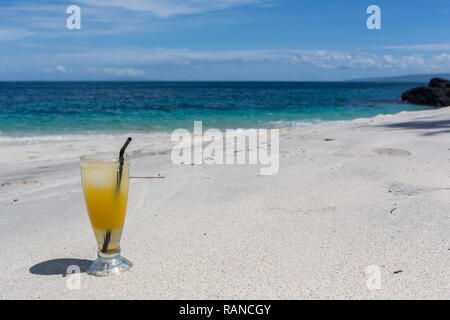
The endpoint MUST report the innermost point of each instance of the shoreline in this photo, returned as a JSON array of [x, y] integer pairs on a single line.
[[348, 195], [109, 135]]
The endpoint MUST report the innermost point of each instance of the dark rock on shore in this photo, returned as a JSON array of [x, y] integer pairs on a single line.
[[437, 93]]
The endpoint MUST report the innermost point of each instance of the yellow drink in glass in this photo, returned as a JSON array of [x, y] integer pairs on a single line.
[[105, 183]]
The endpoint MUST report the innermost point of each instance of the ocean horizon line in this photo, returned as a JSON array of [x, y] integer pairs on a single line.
[[212, 81]]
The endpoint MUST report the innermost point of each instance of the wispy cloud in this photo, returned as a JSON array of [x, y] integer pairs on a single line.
[[60, 69], [166, 63], [119, 72], [101, 17], [312, 58], [421, 47], [14, 34], [170, 8]]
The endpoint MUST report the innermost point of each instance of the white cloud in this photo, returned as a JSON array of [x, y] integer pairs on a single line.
[[444, 57], [314, 58], [117, 61], [61, 69], [169, 8], [120, 72], [421, 47]]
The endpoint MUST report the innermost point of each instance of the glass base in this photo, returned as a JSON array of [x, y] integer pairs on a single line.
[[107, 265]]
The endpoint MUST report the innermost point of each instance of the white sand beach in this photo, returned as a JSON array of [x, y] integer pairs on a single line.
[[348, 195]]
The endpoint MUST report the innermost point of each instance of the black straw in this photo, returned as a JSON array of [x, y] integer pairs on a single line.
[[106, 241], [119, 180], [121, 160]]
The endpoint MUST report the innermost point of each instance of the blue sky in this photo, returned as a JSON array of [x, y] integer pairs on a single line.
[[222, 39]]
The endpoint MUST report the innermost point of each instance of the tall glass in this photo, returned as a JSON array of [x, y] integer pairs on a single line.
[[105, 185]]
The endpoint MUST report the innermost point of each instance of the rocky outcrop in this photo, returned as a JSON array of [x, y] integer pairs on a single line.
[[437, 93]]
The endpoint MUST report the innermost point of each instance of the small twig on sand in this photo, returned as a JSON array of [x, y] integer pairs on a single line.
[[156, 177], [398, 271], [393, 210]]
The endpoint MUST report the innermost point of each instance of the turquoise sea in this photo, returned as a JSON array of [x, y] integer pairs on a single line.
[[55, 110]]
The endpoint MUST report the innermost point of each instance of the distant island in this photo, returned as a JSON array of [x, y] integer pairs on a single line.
[[424, 78]]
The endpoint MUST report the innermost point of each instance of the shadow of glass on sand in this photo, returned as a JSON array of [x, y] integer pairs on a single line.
[[60, 266]]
